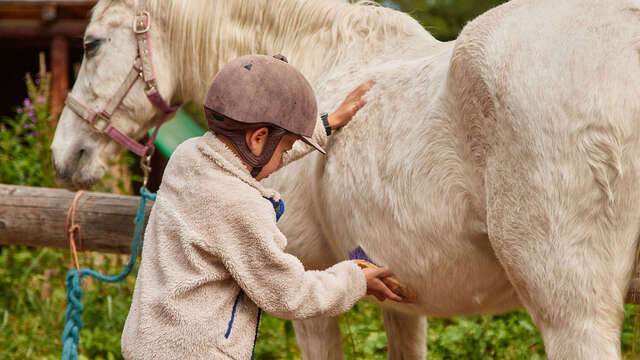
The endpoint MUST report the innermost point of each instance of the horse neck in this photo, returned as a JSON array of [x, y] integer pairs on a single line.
[[314, 35]]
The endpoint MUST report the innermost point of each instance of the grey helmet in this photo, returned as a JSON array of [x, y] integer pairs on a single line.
[[259, 90]]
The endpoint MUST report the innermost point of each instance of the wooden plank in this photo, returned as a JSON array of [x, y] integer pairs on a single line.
[[59, 76], [36, 217], [46, 2], [21, 29], [33, 12], [39, 11]]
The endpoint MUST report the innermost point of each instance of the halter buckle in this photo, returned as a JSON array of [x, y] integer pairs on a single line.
[[142, 22], [150, 87], [100, 122]]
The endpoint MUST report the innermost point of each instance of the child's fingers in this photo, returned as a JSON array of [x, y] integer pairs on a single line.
[[364, 88], [356, 106], [381, 290], [382, 273], [391, 295], [368, 85]]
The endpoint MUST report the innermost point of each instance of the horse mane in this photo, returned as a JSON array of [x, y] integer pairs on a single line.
[[313, 34], [203, 35]]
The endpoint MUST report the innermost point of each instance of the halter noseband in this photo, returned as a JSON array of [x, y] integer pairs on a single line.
[[142, 69]]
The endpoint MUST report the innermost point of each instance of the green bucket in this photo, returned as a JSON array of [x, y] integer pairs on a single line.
[[180, 128]]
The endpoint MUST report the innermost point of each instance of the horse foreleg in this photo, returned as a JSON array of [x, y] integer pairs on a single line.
[[319, 338], [406, 335]]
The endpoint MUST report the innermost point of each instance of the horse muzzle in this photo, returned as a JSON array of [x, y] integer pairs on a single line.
[[75, 162]]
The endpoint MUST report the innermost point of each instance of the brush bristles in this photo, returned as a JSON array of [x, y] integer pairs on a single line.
[[359, 254]]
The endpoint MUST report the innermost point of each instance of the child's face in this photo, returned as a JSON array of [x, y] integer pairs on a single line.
[[286, 143]]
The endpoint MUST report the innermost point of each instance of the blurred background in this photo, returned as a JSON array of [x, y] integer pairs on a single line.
[[41, 47]]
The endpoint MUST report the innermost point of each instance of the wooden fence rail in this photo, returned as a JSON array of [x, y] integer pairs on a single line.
[[36, 217]]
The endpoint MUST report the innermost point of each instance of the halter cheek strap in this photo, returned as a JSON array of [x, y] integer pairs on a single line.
[[142, 69]]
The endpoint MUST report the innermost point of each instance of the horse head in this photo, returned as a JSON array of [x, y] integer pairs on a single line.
[[116, 96]]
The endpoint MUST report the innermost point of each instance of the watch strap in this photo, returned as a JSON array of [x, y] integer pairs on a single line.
[[325, 121]]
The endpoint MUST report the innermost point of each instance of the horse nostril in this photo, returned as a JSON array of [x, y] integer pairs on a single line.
[[75, 161]]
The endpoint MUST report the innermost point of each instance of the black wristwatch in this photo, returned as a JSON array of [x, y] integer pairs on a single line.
[[325, 121]]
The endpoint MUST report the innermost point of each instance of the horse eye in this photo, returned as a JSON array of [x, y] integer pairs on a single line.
[[91, 47]]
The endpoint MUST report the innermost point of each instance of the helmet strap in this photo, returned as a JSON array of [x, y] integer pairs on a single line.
[[272, 141], [255, 171], [236, 133]]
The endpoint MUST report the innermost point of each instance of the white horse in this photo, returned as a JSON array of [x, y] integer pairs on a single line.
[[490, 173]]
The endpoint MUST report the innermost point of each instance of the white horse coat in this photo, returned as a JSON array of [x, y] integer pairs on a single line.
[[490, 173]]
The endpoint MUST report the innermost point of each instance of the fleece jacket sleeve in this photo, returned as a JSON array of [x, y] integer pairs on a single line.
[[277, 281], [300, 148]]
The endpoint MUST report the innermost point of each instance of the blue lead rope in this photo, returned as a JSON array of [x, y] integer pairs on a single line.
[[73, 315]]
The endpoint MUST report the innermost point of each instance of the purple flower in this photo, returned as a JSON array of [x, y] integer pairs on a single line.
[[26, 126], [30, 113], [41, 99], [33, 119], [27, 102], [19, 111], [34, 134]]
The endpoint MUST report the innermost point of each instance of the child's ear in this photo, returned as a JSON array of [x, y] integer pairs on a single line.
[[256, 139]]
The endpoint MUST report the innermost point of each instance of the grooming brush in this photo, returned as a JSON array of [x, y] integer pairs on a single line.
[[360, 257]]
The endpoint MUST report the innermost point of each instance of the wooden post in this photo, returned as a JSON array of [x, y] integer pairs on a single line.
[[37, 217], [59, 75]]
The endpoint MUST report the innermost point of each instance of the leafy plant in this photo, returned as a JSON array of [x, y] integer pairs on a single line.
[[443, 18], [25, 157]]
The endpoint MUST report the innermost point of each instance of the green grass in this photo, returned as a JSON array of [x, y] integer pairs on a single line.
[[32, 304]]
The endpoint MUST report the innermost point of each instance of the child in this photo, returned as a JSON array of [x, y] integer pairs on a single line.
[[213, 256]]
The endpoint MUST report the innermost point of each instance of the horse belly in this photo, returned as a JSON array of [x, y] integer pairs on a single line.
[[450, 274]]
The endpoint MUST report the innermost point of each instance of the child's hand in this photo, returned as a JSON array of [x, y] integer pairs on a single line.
[[375, 285], [350, 106]]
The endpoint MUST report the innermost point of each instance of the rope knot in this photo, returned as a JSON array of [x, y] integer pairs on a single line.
[[73, 314]]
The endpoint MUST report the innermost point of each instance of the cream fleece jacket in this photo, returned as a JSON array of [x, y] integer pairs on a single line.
[[212, 244]]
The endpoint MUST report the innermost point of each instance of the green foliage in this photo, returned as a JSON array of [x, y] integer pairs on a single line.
[[276, 340], [509, 336], [443, 18], [25, 157], [33, 301]]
